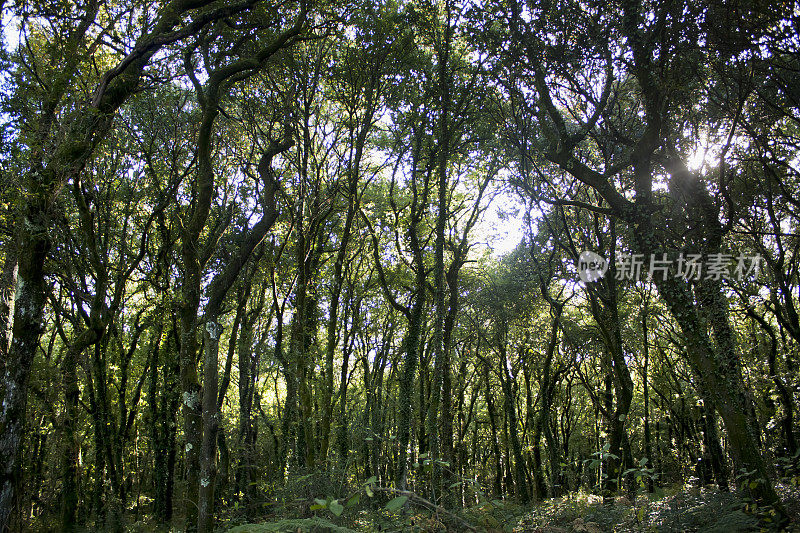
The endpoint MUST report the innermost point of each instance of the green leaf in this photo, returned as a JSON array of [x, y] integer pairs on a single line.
[[323, 503], [369, 491], [396, 503], [317, 507], [353, 500], [336, 508], [373, 479]]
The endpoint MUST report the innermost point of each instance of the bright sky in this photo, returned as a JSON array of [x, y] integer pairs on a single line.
[[10, 31], [502, 225]]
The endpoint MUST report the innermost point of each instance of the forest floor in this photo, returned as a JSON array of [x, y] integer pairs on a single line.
[[674, 510]]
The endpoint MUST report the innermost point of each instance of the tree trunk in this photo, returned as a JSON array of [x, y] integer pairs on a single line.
[[190, 385], [648, 446], [8, 289], [785, 396], [446, 415], [245, 433], [338, 281], [208, 458], [169, 407], [520, 479], [158, 429], [498, 489], [720, 373], [547, 392], [217, 291], [718, 462], [440, 351], [31, 295], [342, 442], [406, 387], [69, 460]]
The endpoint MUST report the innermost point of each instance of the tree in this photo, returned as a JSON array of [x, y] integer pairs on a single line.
[[55, 160], [584, 120]]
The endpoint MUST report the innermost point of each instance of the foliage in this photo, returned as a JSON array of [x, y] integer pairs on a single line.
[[310, 525], [684, 511]]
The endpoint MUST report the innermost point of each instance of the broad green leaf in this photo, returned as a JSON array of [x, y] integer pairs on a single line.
[[336, 508], [396, 503]]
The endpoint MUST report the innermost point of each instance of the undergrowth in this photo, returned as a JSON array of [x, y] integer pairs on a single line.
[[674, 510]]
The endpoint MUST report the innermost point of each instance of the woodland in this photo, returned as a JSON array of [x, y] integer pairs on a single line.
[[252, 273]]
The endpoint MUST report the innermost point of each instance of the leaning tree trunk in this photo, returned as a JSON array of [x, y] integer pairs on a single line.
[[718, 367], [218, 290]]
